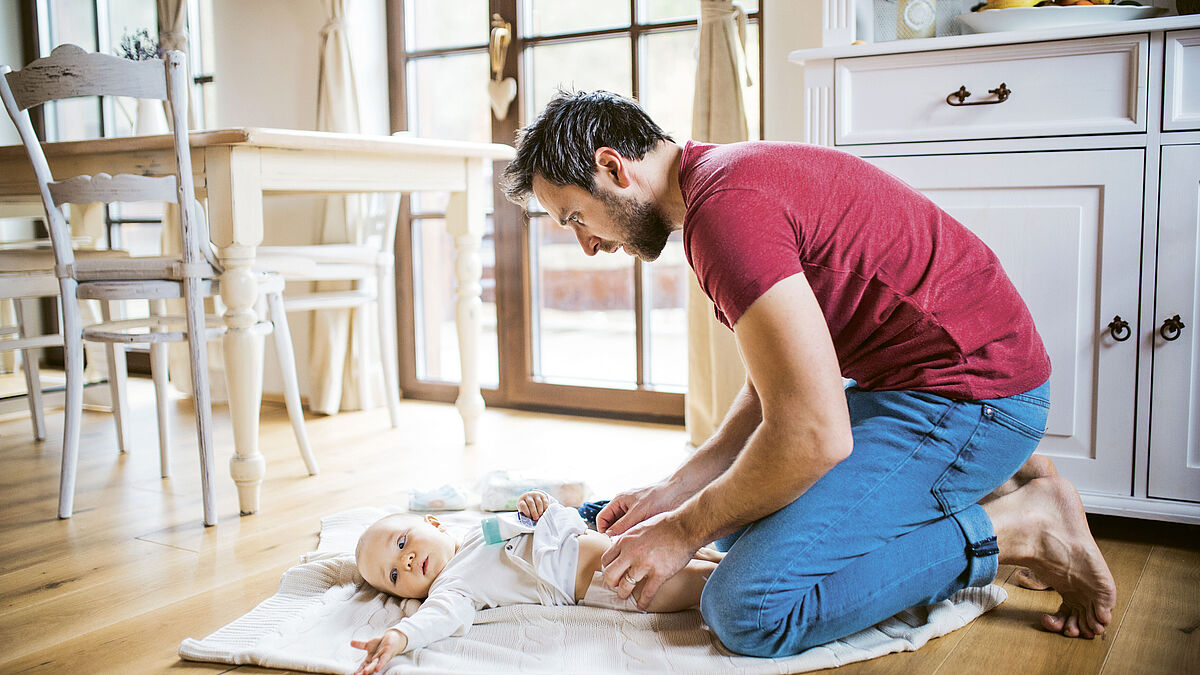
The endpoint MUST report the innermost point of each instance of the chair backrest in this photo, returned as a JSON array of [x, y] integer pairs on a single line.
[[70, 72]]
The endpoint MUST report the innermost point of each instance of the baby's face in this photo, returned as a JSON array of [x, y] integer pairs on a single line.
[[403, 554]]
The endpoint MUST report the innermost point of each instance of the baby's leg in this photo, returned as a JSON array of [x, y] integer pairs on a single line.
[[680, 592]]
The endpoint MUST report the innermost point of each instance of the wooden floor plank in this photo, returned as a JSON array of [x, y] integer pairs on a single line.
[[1160, 632], [115, 588], [1013, 642]]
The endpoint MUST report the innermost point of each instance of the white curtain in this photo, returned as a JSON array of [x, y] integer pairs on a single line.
[[715, 371], [172, 34], [336, 382]]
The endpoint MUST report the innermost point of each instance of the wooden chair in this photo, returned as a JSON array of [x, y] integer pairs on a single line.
[[192, 276], [369, 267], [27, 274]]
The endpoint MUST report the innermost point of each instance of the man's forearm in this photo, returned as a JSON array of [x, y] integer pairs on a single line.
[[777, 465], [717, 453]]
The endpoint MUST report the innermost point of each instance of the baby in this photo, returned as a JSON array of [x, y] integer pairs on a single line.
[[555, 562]]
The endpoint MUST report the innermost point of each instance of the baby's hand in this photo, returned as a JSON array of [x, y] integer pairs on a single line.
[[533, 504], [380, 651]]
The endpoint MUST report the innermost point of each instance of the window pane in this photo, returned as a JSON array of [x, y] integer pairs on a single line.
[[462, 79], [583, 311], [76, 119], [73, 21], [126, 17], [432, 82], [430, 24], [580, 66], [553, 17], [668, 80], [434, 288], [653, 11], [667, 287]]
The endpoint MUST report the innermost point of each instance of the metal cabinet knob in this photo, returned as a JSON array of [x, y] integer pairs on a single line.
[[1171, 328], [1118, 328], [1002, 93]]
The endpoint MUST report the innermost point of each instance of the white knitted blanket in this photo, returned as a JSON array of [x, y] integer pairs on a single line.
[[322, 604]]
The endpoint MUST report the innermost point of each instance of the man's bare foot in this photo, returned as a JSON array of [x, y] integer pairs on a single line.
[[1041, 525], [709, 554], [1036, 466]]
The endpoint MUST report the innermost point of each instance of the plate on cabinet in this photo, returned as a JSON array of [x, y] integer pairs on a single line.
[[1031, 18]]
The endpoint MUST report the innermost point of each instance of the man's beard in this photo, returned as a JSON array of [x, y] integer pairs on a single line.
[[645, 229]]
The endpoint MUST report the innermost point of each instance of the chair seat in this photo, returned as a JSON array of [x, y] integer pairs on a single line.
[[326, 262], [164, 290], [138, 268], [150, 330], [36, 284], [42, 259]]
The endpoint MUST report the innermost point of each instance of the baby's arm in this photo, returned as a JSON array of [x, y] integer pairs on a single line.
[[534, 503], [443, 614]]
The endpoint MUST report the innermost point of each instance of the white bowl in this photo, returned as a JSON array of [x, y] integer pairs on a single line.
[[1027, 18]]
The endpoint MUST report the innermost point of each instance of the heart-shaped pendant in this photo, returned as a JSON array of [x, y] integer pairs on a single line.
[[501, 93]]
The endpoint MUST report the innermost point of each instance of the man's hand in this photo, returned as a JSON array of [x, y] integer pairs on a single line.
[[646, 556], [533, 504], [630, 508], [380, 651]]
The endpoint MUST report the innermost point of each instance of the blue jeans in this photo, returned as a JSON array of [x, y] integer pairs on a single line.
[[894, 525]]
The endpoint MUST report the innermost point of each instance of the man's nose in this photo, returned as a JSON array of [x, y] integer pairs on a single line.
[[589, 243]]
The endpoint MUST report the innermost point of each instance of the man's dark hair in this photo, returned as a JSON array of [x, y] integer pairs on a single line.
[[560, 145]]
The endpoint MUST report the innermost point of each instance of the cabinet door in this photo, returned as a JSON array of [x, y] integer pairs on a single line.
[[1067, 227], [1175, 397]]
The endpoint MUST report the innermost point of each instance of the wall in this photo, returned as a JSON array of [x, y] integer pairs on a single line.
[[265, 73], [11, 46], [788, 25]]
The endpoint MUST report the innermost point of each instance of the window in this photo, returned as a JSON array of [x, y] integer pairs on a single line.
[[605, 334]]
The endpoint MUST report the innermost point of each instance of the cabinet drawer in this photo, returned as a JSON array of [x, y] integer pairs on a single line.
[[1060, 88], [1181, 103]]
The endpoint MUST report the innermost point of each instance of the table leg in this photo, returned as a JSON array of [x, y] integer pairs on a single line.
[[465, 220], [235, 217], [243, 344]]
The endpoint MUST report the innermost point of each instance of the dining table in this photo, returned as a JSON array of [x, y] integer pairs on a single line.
[[234, 169]]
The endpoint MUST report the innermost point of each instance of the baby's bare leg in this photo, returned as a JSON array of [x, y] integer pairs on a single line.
[[680, 592]]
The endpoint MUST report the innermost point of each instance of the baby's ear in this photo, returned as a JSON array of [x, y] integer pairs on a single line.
[[432, 520]]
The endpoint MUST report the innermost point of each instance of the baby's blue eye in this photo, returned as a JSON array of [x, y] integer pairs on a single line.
[[402, 540], [392, 576]]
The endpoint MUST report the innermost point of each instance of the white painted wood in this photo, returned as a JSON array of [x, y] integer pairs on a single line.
[[33, 381], [162, 385], [1099, 87], [120, 188], [72, 332], [70, 72], [1181, 96], [117, 377], [291, 386], [1069, 222], [1175, 402], [845, 50], [465, 222], [386, 322]]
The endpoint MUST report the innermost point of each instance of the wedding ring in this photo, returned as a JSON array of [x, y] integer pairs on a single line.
[[631, 580]]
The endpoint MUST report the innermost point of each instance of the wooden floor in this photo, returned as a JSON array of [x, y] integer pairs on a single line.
[[116, 587]]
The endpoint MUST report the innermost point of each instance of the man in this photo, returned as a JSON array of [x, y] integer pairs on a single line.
[[838, 507]]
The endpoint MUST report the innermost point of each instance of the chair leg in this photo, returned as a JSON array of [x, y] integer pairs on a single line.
[[117, 388], [291, 385], [33, 379], [386, 316], [73, 358], [201, 395], [159, 371]]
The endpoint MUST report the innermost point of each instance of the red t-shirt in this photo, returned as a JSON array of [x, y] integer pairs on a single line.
[[912, 298]]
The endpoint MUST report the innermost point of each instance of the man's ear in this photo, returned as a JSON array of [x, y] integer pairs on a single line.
[[610, 163]]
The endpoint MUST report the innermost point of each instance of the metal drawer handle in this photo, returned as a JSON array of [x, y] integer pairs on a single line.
[[1002, 93], [1118, 328], [1171, 328]]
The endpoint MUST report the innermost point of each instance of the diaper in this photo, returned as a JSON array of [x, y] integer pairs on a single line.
[[555, 554], [600, 594]]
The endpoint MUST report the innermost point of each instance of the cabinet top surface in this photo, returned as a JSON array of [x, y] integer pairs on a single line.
[[988, 39]]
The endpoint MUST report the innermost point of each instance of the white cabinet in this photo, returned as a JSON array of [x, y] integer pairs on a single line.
[[1067, 227], [1084, 178], [1175, 401]]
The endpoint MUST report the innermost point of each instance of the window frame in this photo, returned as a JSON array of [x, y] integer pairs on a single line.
[[518, 387]]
